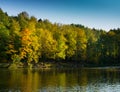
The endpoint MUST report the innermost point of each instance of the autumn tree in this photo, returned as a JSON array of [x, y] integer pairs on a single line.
[[61, 45], [23, 38], [81, 45], [70, 35], [48, 44], [29, 42]]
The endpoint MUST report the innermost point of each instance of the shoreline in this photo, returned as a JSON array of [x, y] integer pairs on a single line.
[[55, 65]]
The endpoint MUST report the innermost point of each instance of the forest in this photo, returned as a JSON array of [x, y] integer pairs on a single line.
[[26, 39]]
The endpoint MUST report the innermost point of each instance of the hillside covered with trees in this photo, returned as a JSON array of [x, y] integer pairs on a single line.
[[25, 39]]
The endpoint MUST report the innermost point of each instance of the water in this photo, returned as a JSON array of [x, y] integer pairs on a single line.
[[60, 80]]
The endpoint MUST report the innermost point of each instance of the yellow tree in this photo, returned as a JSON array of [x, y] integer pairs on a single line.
[[61, 45], [48, 44], [35, 46], [25, 43], [70, 35], [29, 42], [14, 40], [81, 44]]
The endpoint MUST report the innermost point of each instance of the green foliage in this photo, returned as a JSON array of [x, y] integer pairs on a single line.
[[71, 42], [4, 39], [48, 44], [24, 39], [81, 45], [16, 61], [15, 58], [4, 19]]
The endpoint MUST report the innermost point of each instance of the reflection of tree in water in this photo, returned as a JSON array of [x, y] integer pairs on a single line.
[[62, 80]]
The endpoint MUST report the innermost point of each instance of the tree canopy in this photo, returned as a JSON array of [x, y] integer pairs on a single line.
[[24, 38]]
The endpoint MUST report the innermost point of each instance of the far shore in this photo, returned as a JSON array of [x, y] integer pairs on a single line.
[[60, 65]]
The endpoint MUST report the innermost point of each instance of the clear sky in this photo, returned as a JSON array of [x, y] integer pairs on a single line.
[[100, 14]]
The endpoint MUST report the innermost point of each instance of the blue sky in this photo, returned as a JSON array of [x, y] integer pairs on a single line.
[[100, 14]]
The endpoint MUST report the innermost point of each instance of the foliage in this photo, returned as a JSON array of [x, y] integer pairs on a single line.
[[24, 39]]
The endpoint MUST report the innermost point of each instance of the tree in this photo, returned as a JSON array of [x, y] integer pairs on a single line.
[[70, 35], [29, 42], [23, 19], [61, 45], [4, 39], [81, 45], [14, 38], [92, 46], [4, 18], [48, 44]]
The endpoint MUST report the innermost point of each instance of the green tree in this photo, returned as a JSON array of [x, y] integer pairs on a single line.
[[81, 45], [70, 35], [4, 18], [23, 19], [4, 39], [14, 38], [61, 45], [48, 44]]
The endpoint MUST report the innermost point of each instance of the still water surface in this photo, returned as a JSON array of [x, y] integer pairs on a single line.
[[60, 80]]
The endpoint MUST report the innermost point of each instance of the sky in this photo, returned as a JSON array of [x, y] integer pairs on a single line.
[[99, 14]]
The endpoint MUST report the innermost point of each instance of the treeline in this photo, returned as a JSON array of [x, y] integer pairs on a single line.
[[24, 38]]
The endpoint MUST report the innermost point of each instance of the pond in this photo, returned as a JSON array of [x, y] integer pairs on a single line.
[[60, 80]]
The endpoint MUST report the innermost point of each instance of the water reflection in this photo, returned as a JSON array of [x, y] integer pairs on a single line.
[[66, 80]]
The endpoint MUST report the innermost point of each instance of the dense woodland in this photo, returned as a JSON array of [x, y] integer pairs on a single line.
[[25, 39]]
